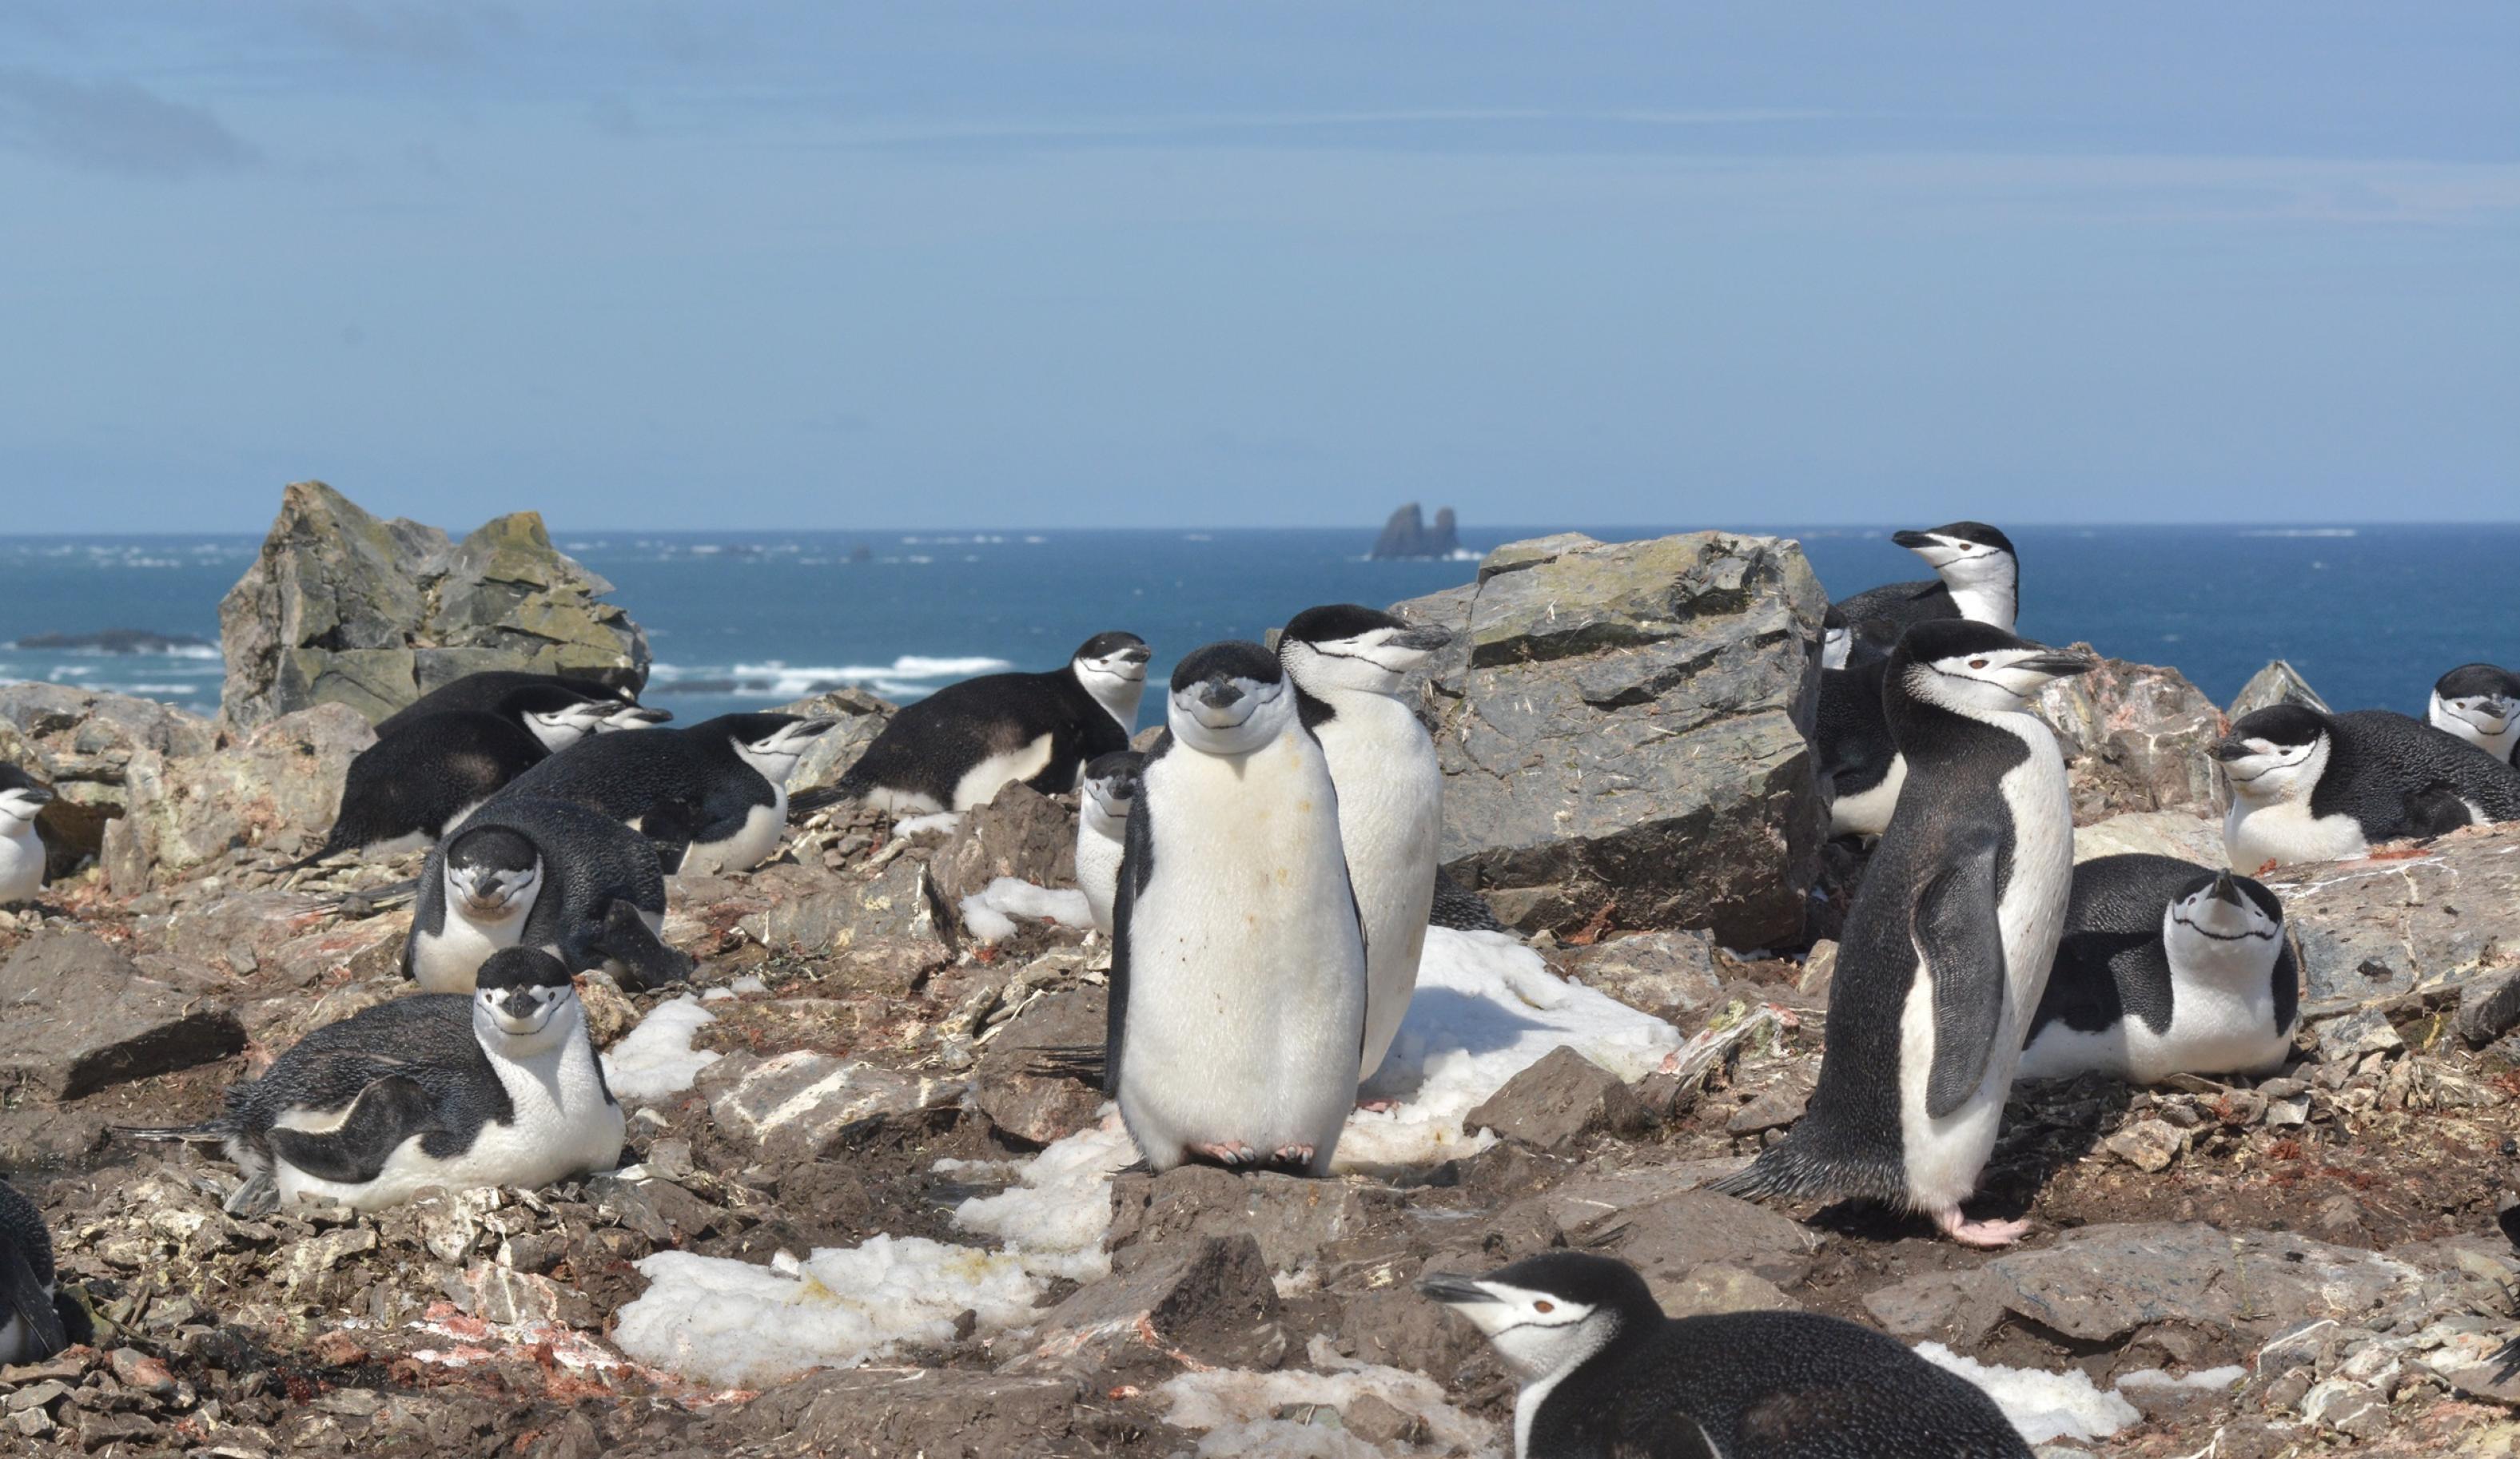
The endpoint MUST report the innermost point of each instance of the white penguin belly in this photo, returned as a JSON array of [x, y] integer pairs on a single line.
[[2209, 1034], [1866, 813], [447, 960], [2288, 834], [562, 1126], [21, 860], [1391, 821], [754, 843], [981, 783], [1098, 873], [1246, 970], [1945, 1156]]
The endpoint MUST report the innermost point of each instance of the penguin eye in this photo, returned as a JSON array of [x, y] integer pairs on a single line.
[[1543, 1306], [1977, 663]]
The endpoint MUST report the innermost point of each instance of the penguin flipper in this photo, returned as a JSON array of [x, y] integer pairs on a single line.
[[1137, 868], [2436, 810], [624, 940], [1956, 917], [30, 1303], [670, 826], [386, 1113]]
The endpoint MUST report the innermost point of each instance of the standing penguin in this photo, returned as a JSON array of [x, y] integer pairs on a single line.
[[498, 1087], [23, 798], [2307, 786], [1605, 1375], [724, 779], [2480, 703], [1977, 577], [420, 780], [952, 750], [2166, 968], [1102, 829], [484, 690], [1237, 966], [524, 872], [1947, 948], [1349, 664], [35, 1321]]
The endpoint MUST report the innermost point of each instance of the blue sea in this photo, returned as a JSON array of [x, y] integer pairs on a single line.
[[2370, 614]]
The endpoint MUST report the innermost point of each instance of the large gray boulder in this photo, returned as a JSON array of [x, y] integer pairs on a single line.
[[77, 1016], [344, 608], [2135, 737], [2279, 683], [277, 786], [82, 743], [858, 716], [2371, 930], [1624, 732]]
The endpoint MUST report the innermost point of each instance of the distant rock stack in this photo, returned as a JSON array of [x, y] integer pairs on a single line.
[[1407, 535]]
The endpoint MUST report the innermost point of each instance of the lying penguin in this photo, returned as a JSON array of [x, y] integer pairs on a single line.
[[23, 798], [1603, 1373], [484, 690], [2307, 786], [952, 750], [1102, 829], [725, 781], [421, 778], [2480, 703], [2166, 968], [35, 1320], [499, 1087], [1977, 576], [524, 872]]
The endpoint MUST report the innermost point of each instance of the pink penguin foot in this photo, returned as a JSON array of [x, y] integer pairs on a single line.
[[1377, 1106], [1293, 1156], [1231, 1154], [1986, 1235]]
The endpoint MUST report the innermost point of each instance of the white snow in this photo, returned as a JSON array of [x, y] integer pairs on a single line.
[[2215, 1379], [2043, 1407], [738, 1325], [1233, 1406], [656, 1059], [941, 821], [1486, 1009], [991, 911], [1052, 1219]]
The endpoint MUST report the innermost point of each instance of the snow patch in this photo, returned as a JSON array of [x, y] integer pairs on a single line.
[[1053, 1219], [1486, 1009], [2043, 1405], [941, 820], [991, 911], [656, 1059], [738, 1325], [1234, 1408]]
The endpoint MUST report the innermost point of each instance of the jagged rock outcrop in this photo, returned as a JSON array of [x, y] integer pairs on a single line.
[[2135, 737], [1624, 733], [2375, 929], [81, 744], [860, 717], [344, 608], [1407, 535], [276, 786], [2272, 685]]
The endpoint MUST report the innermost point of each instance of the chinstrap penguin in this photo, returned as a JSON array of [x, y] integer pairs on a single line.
[[1102, 829], [1238, 967], [1858, 756], [420, 779], [2480, 703], [36, 1320], [952, 750], [526, 871], [1604, 1374], [484, 690], [1349, 664], [2166, 968], [498, 1087], [23, 798], [1947, 946], [1977, 577], [721, 784], [2307, 786]]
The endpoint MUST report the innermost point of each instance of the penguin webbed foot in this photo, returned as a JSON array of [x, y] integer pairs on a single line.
[[1985, 1234], [1293, 1160], [1234, 1155]]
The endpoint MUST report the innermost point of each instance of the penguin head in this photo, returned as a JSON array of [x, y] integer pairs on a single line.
[[1230, 699], [555, 714], [1976, 668], [2275, 753], [2483, 697], [1964, 552], [525, 1000], [2220, 921], [1112, 784], [1348, 646], [632, 717], [1112, 668], [492, 873], [771, 743], [1844, 642], [1545, 1315], [22, 796]]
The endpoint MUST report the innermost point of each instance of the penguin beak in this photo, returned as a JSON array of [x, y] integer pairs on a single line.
[[2225, 890], [2229, 751], [1914, 541], [1138, 655], [811, 728], [1219, 694], [28, 798], [1424, 638], [1452, 1290], [2059, 663], [637, 717]]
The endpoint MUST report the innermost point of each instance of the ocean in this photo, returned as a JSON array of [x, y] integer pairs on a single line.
[[2370, 614]]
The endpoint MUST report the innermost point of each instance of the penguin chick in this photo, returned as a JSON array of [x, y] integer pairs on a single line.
[[1604, 1374]]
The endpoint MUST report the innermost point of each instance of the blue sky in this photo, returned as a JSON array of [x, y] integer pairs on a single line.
[[1087, 264]]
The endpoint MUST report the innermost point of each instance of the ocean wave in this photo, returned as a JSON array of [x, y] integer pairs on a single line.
[[910, 676], [2299, 532]]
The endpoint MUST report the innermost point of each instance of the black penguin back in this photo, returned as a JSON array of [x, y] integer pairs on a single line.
[[934, 742], [413, 781], [1851, 731], [2398, 777]]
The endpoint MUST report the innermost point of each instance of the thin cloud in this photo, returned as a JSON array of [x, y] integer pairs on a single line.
[[115, 126]]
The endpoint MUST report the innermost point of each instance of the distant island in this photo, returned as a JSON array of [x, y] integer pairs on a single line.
[[1407, 535], [116, 640]]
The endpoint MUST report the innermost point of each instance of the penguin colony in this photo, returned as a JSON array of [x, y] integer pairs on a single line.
[[1265, 872]]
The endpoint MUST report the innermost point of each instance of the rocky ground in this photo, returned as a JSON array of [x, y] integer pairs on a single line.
[[2321, 1245]]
